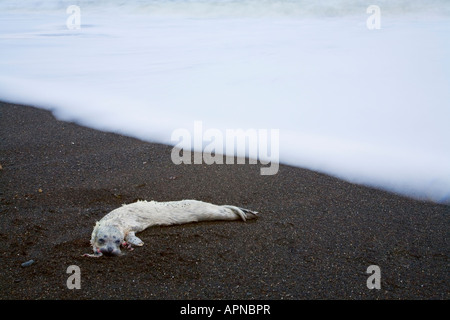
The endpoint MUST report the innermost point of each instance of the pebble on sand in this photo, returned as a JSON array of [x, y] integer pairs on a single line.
[[27, 264]]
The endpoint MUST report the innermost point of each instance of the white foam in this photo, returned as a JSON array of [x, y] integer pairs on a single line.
[[372, 107]]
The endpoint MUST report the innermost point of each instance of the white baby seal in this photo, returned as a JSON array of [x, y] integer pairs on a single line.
[[118, 227]]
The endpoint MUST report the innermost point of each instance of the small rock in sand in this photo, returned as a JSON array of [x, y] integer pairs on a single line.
[[27, 264]]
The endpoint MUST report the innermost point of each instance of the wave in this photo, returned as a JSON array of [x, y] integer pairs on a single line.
[[369, 106], [238, 8]]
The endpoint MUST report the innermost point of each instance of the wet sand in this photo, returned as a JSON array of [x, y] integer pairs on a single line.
[[314, 239]]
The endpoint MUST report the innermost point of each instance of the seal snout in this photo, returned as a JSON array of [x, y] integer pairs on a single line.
[[109, 251]]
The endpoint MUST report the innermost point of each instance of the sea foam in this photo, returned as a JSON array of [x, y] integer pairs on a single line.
[[369, 106]]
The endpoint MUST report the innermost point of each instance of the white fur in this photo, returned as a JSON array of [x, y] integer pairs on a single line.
[[122, 223]]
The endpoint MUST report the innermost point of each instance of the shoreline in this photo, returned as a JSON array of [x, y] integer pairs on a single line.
[[315, 237]]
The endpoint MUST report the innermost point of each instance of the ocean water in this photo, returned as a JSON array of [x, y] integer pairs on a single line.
[[371, 106]]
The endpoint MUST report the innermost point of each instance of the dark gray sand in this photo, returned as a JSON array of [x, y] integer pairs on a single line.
[[315, 237]]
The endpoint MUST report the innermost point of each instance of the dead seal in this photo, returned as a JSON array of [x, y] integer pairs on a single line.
[[119, 227]]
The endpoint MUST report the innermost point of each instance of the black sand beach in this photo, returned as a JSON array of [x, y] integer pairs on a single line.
[[315, 237]]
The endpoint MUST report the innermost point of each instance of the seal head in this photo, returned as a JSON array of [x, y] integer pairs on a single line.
[[106, 240]]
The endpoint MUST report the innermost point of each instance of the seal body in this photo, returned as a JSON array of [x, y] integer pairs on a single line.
[[119, 227]]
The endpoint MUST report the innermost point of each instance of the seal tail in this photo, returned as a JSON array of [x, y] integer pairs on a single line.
[[244, 214]]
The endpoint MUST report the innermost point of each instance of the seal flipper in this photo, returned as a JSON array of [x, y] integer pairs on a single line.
[[244, 214], [131, 238]]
